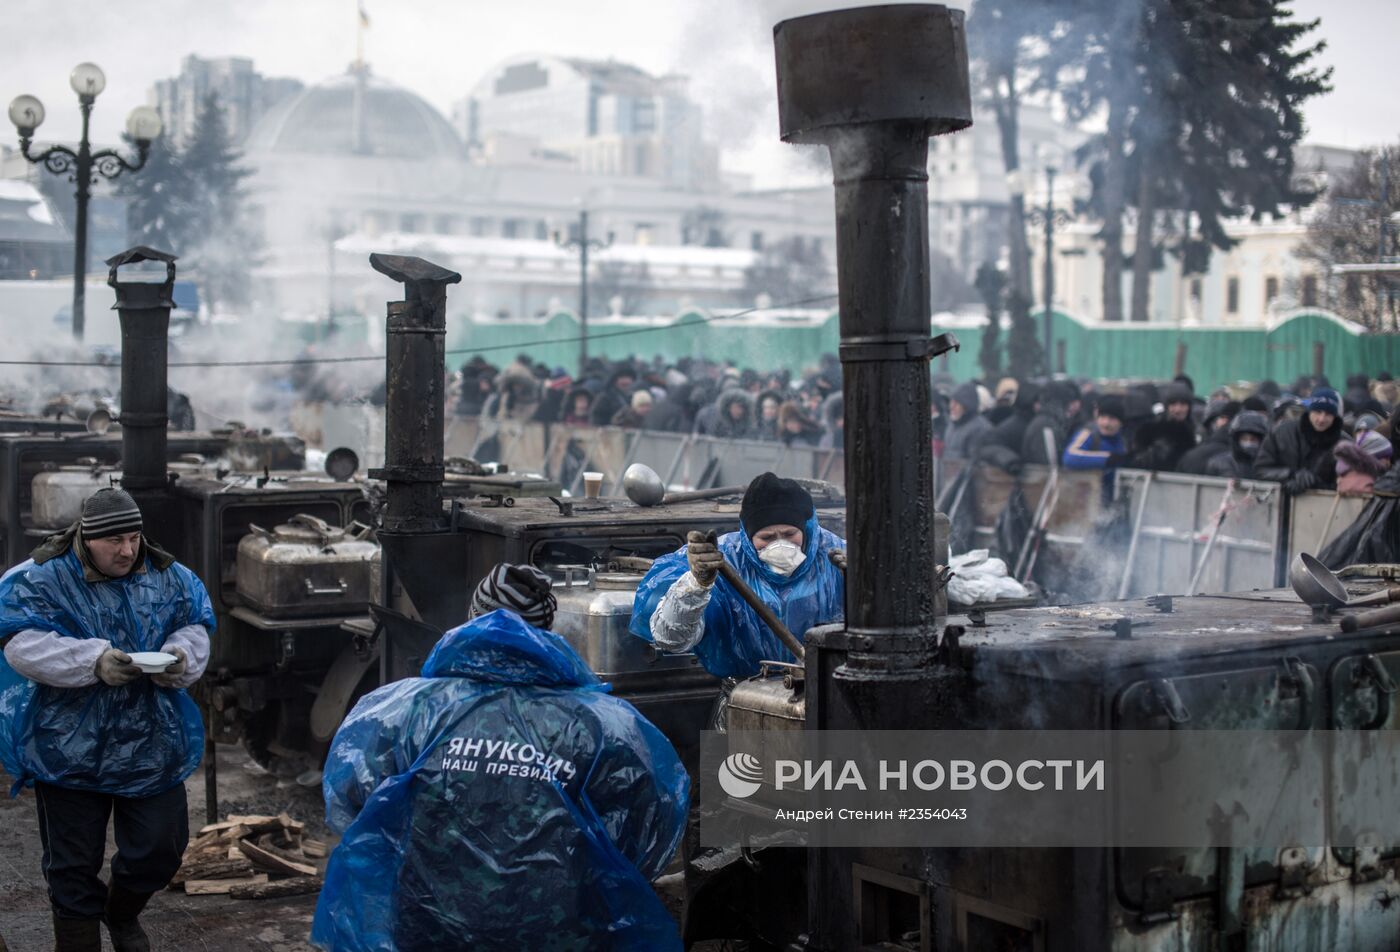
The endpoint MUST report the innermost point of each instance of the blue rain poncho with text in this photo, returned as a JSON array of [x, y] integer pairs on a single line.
[[504, 800], [736, 640], [136, 740]]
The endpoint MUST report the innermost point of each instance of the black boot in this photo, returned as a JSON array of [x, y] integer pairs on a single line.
[[76, 935], [122, 909]]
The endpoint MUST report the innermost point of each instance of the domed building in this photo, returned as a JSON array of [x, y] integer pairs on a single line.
[[356, 114], [354, 153]]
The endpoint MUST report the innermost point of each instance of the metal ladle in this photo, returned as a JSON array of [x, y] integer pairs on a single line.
[[641, 485], [1315, 584]]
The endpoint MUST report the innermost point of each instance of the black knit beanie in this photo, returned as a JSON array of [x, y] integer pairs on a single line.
[[110, 512], [773, 501]]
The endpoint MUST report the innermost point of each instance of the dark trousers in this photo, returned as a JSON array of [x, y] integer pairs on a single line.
[[151, 835]]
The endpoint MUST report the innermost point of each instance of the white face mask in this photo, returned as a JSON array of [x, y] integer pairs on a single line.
[[782, 557]]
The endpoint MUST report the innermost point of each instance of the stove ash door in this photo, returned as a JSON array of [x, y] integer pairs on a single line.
[[1283, 696]]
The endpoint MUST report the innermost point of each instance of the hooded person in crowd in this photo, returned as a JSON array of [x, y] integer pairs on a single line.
[[503, 800], [578, 407], [1360, 462], [1010, 432], [84, 726], [1059, 402], [1177, 401], [684, 604], [1215, 437], [796, 428], [734, 419], [1247, 432], [1298, 453], [966, 426], [1374, 536], [672, 413], [766, 422], [555, 389], [616, 395], [519, 390]]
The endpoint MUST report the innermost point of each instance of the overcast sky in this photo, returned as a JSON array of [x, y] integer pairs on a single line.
[[439, 48]]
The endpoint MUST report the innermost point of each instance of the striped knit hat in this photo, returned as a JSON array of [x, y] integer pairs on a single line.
[[522, 589], [109, 512]]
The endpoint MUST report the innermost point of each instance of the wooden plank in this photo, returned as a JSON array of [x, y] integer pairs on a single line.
[[298, 886], [313, 849], [221, 887], [214, 869], [267, 859]]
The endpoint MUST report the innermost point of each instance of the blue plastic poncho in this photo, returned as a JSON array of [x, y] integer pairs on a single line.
[[504, 800], [136, 740], [736, 639]]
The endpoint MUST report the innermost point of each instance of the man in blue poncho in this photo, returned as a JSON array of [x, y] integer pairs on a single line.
[[94, 735], [783, 555], [502, 801]]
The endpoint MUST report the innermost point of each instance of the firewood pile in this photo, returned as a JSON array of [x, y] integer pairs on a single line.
[[251, 857]]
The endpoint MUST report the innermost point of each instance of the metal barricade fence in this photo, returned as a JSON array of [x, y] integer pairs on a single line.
[[1185, 533], [1201, 534]]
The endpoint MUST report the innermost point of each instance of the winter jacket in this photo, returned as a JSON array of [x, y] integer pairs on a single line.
[[1236, 462], [610, 400], [1011, 432], [1090, 449], [135, 740], [1298, 456], [1160, 444], [1195, 461], [725, 426], [963, 436], [735, 640], [504, 800], [672, 413], [1051, 417]]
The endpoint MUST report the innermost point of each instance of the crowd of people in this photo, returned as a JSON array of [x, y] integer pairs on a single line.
[[1305, 436], [687, 396]]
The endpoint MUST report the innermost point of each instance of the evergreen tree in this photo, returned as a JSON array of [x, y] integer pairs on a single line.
[[1203, 103], [157, 211], [991, 285], [223, 248]]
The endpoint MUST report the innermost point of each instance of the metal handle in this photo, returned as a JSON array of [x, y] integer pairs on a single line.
[[1165, 692], [1372, 669], [311, 522], [1296, 670], [341, 588]]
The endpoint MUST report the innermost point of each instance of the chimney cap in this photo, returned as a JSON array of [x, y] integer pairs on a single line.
[[136, 255], [846, 68]]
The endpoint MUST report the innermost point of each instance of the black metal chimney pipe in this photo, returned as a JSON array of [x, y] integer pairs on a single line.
[[873, 84], [144, 310], [414, 413]]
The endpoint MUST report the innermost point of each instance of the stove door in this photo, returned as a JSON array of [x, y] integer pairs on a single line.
[[1282, 696]]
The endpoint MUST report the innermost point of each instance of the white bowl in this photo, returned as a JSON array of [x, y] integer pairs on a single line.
[[152, 662]]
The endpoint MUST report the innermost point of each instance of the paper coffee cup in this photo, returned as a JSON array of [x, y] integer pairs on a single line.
[[592, 485]]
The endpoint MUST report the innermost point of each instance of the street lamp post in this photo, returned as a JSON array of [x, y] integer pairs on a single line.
[[1051, 217], [143, 125], [584, 244]]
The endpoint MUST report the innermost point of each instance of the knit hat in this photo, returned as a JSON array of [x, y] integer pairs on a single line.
[[640, 399], [110, 512], [1111, 406], [522, 589], [1325, 398], [773, 501], [1178, 393]]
